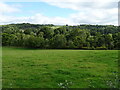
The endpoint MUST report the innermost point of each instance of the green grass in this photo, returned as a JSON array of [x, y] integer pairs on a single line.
[[28, 68]]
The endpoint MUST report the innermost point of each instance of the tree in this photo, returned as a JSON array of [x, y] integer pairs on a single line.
[[70, 44], [48, 32], [58, 41], [35, 42], [50, 36], [109, 41], [6, 39]]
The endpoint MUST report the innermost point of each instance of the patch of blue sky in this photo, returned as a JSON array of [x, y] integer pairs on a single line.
[[32, 8]]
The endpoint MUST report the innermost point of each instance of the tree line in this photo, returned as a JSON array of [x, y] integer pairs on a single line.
[[51, 36]]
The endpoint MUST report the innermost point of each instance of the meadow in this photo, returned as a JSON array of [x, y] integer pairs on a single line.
[[40, 68]]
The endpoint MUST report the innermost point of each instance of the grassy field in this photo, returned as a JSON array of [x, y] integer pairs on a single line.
[[28, 68]]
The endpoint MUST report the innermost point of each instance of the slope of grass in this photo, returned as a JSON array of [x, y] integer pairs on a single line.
[[27, 68]]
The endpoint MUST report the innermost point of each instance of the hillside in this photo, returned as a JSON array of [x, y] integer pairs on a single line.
[[51, 36]]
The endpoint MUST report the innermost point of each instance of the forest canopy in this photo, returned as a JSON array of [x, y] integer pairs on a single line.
[[51, 36]]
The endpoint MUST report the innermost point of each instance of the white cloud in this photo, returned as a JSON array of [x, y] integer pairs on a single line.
[[36, 19], [96, 16], [87, 13], [59, 0], [80, 4], [7, 8], [90, 12], [4, 10]]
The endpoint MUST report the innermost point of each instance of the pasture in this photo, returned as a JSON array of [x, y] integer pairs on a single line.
[[35, 68]]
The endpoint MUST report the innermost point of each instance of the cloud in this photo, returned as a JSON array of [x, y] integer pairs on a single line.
[[80, 4], [7, 8], [4, 10], [96, 16], [87, 13], [59, 0], [90, 12], [36, 19]]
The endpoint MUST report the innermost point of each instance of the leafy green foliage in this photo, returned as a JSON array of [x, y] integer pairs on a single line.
[[51, 36]]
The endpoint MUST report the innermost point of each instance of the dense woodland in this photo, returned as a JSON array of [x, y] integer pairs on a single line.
[[51, 36]]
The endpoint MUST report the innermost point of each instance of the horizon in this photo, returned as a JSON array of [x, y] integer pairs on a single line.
[[64, 24]]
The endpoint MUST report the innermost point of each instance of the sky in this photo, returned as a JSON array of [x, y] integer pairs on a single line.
[[59, 12]]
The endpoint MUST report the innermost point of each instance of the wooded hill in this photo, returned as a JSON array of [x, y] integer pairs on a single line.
[[51, 36]]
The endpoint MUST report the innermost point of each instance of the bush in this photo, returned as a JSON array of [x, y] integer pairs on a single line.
[[85, 48], [101, 48]]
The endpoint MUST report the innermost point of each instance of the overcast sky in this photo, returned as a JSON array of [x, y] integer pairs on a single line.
[[59, 12]]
